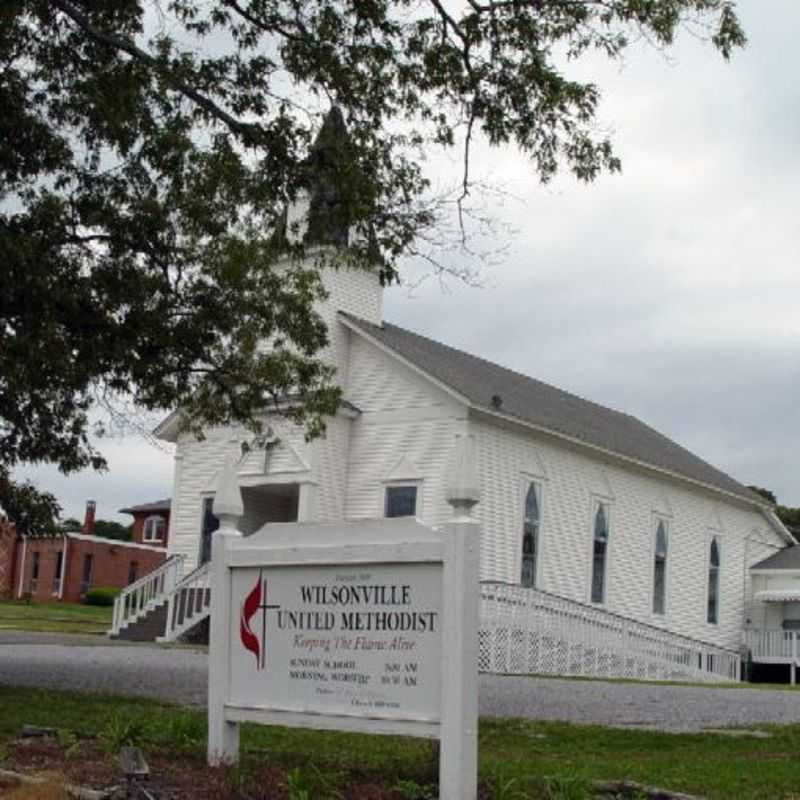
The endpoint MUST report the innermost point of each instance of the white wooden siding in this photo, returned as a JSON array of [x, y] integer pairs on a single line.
[[403, 418], [571, 480], [200, 461], [356, 292], [330, 461]]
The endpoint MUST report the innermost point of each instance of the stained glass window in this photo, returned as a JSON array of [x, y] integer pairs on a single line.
[[599, 554], [713, 582], [530, 537], [660, 570]]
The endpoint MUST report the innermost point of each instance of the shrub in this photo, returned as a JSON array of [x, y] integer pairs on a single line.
[[101, 596], [122, 732]]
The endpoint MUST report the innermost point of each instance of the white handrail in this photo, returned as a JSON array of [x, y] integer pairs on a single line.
[[189, 603], [525, 630], [774, 645], [136, 599]]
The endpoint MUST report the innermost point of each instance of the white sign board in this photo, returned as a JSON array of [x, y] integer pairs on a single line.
[[368, 626], [325, 639]]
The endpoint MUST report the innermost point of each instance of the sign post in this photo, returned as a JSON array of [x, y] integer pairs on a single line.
[[368, 626], [223, 735], [458, 759]]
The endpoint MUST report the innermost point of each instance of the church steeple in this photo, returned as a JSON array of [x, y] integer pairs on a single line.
[[329, 177], [331, 209], [333, 193]]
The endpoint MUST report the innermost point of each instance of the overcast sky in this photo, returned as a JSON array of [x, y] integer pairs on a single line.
[[669, 292]]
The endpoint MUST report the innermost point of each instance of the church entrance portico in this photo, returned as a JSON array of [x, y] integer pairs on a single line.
[[269, 502]]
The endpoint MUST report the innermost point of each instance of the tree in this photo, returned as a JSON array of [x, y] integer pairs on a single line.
[[148, 152], [112, 530], [32, 510], [789, 516], [765, 493]]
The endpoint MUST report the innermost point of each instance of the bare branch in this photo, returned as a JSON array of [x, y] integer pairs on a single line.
[[127, 46]]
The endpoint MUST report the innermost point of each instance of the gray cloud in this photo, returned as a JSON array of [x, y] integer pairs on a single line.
[[668, 292], [138, 473]]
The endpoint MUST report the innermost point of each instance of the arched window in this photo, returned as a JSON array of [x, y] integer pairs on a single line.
[[600, 554], [530, 536], [660, 570], [154, 528], [713, 582]]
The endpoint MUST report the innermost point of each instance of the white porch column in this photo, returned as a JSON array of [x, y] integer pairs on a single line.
[[175, 502], [307, 510]]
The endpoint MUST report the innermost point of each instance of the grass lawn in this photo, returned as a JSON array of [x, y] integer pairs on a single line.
[[518, 760], [54, 617]]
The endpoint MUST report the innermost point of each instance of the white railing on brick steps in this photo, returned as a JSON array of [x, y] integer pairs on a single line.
[[189, 603], [773, 645], [526, 631], [139, 597]]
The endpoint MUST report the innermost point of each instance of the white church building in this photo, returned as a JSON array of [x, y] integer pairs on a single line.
[[607, 548]]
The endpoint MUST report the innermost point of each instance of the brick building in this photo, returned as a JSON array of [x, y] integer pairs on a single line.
[[150, 522], [63, 566]]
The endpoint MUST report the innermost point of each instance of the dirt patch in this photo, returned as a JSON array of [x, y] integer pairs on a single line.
[[174, 775], [35, 755], [83, 762], [52, 790]]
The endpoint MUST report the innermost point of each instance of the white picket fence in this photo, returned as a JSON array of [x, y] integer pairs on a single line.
[[526, 631]]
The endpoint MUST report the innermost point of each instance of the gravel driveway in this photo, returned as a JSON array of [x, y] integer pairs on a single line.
[[180, 674]]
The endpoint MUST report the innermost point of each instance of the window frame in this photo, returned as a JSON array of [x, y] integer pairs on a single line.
[[711, 537], [157, 518], [36, 569], [408, 484], [608, 504], [526, 481], [660, 519], [86, 583], [57, 573]]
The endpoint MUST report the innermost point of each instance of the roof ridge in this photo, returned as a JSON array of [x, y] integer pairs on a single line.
[[551, 408], [495, 365]]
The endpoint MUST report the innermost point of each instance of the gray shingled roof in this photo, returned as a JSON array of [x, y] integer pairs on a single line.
[[540, 404], [788, 558], [158, 505]]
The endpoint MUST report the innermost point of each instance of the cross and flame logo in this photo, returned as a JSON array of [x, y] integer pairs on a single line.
[[255, 601]]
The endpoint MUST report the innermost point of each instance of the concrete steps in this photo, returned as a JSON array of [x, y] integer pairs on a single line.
[[147, 628], [189, 610]]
